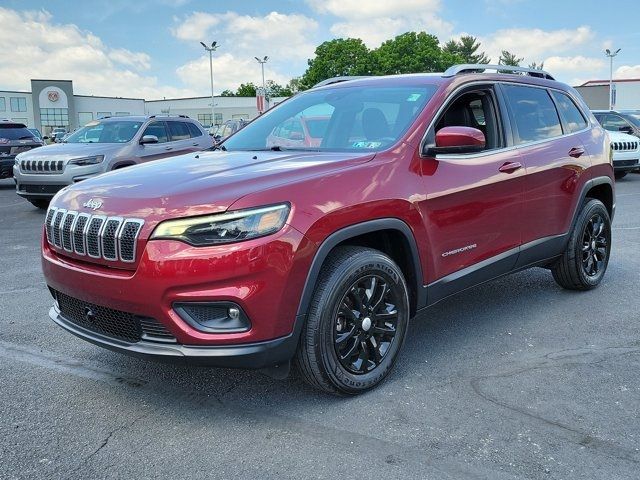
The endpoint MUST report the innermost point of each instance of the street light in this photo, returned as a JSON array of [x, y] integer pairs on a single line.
[[211, 49], [611, 54], [262, 62]]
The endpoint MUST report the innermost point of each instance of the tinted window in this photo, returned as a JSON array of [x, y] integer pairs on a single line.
[[179, 131], [317, 126], [158, 129], [572, 116], [195, 131], [536, 117], [15, 132], [358, 118]]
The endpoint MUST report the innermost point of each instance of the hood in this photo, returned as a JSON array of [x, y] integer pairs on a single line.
[[197, 184], [621, 137], [67, 151]]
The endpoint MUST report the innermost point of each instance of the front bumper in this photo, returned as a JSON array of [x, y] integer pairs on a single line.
[[6, 167], [250, 356], [45, 186]]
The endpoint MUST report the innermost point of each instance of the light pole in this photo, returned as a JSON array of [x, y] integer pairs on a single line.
[[611, 54], [211, 49], [262, 62]]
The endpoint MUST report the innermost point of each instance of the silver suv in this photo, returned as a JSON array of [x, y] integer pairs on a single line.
[[102, 146]]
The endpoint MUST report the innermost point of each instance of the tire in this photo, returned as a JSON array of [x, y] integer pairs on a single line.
[[590, 238], [373, 331], [39, 203], [620, 175]]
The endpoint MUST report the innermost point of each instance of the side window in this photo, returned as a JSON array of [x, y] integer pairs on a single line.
[[194, 131], [159, 130], [178, 131], [614, 122], [570, 113], [475, 109], [535, 114]]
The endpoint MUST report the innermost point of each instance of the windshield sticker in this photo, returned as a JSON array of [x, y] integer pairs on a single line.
[[367, 144], [414, 97]]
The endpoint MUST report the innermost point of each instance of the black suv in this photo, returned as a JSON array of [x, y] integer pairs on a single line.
[[14, 138]]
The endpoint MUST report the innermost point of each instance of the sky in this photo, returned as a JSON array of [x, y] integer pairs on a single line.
[[150, 49]]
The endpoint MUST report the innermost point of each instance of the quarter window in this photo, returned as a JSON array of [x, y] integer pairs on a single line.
[[570, 112], [159, 130], [535, 115], [179, 131]]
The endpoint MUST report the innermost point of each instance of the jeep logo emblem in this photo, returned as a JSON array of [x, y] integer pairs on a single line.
[[92, 203]]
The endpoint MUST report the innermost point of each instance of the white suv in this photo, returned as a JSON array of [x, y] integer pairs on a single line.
[[626, 153]]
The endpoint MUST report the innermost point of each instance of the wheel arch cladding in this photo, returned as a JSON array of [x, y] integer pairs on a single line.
[[601, 188], [392, 237]]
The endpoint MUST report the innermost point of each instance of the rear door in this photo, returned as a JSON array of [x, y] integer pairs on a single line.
[[180, 137], [548, 130], [473, 202]]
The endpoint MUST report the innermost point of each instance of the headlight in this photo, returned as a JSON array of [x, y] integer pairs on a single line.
[[226, 227], [87, 160]]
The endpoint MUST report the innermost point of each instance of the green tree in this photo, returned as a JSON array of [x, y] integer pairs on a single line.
[[227, 93], [412, 52], [508, 58], [467, 48], [276, 90], [246, 90], [537, 66], [335, 58]]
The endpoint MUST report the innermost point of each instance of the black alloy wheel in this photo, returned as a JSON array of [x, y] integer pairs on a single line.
[[595, 245]]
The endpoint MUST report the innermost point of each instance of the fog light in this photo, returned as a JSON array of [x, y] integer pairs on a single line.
[[213, 317]]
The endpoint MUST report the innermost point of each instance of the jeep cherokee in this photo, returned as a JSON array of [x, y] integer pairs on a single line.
[[254, 255]]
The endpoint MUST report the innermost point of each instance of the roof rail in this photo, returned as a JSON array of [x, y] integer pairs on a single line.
[[344, 78], [475, 67]]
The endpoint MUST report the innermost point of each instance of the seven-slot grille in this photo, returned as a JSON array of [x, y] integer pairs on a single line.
[[97, 236], [624, 146], [42, 166]]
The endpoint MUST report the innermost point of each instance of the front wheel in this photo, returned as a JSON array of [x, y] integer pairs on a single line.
[[586, 257], [357, 322]]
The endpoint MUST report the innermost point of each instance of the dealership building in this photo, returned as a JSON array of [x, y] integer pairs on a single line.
[[626, 94], [52, 103]]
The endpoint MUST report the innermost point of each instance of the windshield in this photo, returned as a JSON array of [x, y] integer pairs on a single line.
[[633, 117], [105, 132], [15, 132], [344, 119]]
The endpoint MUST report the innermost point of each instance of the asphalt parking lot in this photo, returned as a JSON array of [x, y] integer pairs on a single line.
[[513, 379]]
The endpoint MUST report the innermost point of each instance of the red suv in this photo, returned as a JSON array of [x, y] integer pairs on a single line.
[[252, 255]]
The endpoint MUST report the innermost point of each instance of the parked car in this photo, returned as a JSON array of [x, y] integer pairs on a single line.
[[625, 121], [101, 146], [626, 153], [57, 134], [36, 134], [252, 255], [227, 129], [301, 131], [15, 137]]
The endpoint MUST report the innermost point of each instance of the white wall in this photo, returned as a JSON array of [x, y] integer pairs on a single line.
[[94, 105], [628, 96], [25, 117]]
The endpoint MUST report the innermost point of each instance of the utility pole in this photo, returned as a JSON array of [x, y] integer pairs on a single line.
[[211, 49], [611, 54], [262, 62]]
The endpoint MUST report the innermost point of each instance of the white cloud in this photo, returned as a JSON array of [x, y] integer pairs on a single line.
[[354, 9], [627, 71], [63, 51], [229, 72]]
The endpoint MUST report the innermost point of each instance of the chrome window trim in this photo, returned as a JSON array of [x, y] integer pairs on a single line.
[[140, 224], [508, 148]]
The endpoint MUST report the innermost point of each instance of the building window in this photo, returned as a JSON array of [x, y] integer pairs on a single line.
[[84, 118], [54, 117], [18, 104], [205, 119], [218, 119], [122, 114], [104, 114], [3, 104]]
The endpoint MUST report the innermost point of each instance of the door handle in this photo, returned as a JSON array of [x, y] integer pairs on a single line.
[[576, 152], [510, 167], [168, 148], [194, 144]]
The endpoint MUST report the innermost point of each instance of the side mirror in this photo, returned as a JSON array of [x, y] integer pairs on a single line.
[[148, 139], [626, 129], [457, 140]]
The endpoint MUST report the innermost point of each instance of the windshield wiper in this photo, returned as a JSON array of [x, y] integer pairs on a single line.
[[218, 147], [26, 137]]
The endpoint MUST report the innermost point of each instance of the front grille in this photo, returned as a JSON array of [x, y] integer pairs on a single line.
[[624, 146], [98, 236], [111, 323], [42, 166]]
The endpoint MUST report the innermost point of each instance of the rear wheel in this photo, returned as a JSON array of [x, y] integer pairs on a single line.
[[42, 204], [585, 260], [357, 322], [620, 175]]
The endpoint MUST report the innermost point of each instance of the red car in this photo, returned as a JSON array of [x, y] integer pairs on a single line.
[[254, 255]]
